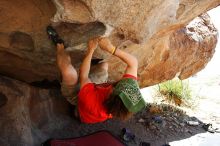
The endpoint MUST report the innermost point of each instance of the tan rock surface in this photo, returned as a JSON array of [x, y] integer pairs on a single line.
[[194, 46], [138, 20], [166, 49], [179, 54]]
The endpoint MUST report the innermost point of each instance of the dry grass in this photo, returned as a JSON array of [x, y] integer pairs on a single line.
[[175, 91]]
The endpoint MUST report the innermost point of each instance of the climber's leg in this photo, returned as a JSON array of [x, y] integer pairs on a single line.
[[68, 73]]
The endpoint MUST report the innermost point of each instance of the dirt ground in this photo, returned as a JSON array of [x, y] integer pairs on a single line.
[[157, 125]]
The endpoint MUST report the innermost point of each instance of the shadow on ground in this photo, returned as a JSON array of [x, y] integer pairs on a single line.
[[166, 125], [31, 115]]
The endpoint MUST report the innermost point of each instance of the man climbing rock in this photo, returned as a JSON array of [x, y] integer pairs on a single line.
[[102, 101]]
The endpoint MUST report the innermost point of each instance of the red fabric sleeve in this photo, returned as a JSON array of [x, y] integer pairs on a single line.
[[129, 76]]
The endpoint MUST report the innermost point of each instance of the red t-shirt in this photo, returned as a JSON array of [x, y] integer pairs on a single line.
[[90, 101]]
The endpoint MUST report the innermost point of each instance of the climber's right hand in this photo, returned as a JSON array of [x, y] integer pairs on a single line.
[[92, 44]]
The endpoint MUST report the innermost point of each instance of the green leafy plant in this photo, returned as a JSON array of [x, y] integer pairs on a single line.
[[175, 90]]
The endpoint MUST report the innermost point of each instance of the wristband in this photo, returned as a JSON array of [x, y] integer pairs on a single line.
[[113, 51]]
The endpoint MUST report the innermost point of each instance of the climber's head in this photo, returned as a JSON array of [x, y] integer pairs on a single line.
[[116, 107], [125, 99]]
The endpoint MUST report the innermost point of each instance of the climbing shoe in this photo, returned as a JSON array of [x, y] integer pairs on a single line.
[[208, 127], [53, 35], [126, 135]]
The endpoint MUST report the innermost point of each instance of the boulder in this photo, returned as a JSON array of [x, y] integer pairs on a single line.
[[30, 115], [156, 32], [137, 20]]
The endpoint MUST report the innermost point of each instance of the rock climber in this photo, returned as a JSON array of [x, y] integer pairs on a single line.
[[102, 101]]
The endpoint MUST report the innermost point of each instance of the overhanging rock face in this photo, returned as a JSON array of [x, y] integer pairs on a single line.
[[138, 20], [151, 30], [182, 53]]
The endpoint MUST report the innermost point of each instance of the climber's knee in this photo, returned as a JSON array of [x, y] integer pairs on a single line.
[[69, 75]]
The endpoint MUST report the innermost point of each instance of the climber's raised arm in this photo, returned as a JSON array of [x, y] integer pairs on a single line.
[[85, 66], [130, 60]]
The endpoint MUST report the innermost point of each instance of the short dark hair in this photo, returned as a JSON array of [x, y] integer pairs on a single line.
[[116, 107]]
